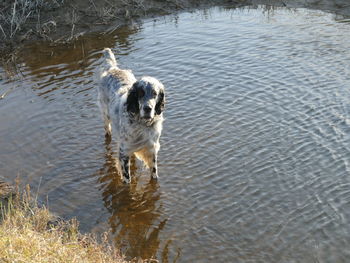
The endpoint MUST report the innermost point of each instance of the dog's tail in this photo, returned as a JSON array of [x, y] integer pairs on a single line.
[[108, 62], [109, 57]]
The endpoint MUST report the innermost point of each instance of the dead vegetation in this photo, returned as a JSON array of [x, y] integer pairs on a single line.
[[63, 20], [14, 15], [29, 233], [60, 20]]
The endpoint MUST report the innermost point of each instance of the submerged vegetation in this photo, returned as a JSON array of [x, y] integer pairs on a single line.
[[29, 233]]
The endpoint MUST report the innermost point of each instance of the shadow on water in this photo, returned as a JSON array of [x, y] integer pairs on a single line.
[[136, 214]]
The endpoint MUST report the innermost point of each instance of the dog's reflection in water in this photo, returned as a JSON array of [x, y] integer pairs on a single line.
[[136, 210]]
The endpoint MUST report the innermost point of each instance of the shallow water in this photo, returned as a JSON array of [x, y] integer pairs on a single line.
[[254, 163]]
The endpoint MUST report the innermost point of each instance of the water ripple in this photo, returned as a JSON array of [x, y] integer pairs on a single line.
[[254, 161]]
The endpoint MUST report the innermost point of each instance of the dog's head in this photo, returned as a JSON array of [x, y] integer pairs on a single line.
[[146, 99]]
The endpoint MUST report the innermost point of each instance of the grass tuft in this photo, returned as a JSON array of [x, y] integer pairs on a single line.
[[29, 233]]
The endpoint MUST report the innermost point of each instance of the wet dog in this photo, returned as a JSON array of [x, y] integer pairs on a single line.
[[133, 109]]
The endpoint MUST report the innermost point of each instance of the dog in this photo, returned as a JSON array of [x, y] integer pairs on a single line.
[[133, 110]]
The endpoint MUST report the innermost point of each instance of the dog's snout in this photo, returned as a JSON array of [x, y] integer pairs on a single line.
[[147, 109]]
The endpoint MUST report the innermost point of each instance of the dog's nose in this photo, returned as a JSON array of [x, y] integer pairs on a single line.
[[147, 109]]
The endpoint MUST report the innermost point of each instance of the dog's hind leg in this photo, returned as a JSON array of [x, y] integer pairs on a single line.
[[107, 125], [103, 105]]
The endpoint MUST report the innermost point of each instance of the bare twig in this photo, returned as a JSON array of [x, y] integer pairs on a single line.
[[5, 93], [13, 16], [2, 30]]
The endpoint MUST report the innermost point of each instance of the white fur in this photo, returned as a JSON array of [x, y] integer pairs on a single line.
[[135, 133]]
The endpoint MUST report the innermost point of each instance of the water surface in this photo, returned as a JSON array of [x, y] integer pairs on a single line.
[[254, 163]]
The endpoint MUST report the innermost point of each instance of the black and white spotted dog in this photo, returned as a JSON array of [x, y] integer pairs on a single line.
[[133, 109]]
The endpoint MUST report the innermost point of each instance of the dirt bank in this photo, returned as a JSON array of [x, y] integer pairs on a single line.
[[23, 222], [62, 21], [59, 20], [6, 191], [338, 7]]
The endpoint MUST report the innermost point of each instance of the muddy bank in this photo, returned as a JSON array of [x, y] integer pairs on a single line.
[[59, 20], [338, 7], [6, 189], [23, 222], [63, 21]]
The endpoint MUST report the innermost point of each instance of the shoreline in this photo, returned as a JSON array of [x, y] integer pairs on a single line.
[[59, 21], [53, 40], [23, 221]]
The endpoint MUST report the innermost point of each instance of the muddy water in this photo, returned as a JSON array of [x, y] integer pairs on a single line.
[[255, 157]]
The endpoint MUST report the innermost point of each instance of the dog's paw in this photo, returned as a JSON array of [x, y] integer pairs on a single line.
[[154, 173], [126, 180]]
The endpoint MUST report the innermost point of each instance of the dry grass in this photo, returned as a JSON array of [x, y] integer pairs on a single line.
[[15, 16], [24, 19], [29, 233]]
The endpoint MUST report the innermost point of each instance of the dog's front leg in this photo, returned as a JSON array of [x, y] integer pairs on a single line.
[[154, 164], [154, 167], [125, 166]]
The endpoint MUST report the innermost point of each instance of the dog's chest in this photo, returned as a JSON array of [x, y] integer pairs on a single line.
[[139, 136]]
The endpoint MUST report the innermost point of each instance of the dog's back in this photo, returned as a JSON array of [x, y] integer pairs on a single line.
[[113, 84]]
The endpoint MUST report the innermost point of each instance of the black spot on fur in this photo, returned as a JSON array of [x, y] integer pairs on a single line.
[[132, 100], [126, 175], [140, 93], [160, 103], [125, 165]]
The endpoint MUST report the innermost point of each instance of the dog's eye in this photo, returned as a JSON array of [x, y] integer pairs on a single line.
[[140, 93], [154, 93]]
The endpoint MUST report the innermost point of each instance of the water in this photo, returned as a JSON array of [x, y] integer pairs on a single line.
[[254, 163]]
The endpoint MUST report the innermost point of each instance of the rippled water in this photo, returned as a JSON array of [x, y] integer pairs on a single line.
[[254, 164]]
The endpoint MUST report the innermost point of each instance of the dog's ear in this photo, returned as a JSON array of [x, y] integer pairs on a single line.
[[132, 102], [160, 103]]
